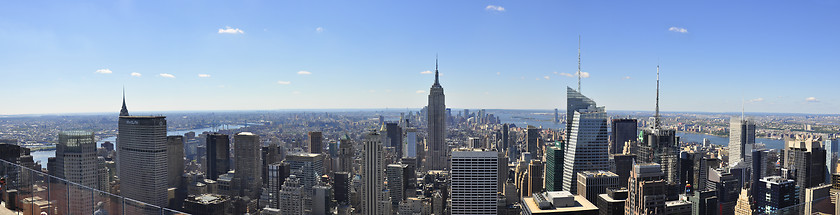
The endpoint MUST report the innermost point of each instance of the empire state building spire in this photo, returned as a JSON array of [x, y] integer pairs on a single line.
[[124, 110], [437, 82]]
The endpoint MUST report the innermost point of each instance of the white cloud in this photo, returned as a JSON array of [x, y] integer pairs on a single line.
[[203, 75], [302, 72], [426, 72], [755, 100], [371, 91], [678, 30], [811, 99], [498, 73], [583, 74], [421, 91], [566, 74], [284, 82], [547, 77], [625, 78], [104, 71], [319, 29], [166, 75], [494, 8], [135, 74], [229, 30], [296, 92]]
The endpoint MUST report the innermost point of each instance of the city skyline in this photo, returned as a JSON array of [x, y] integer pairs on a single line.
[[776, 58]]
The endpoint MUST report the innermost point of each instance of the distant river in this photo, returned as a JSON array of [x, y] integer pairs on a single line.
[[42, 156]]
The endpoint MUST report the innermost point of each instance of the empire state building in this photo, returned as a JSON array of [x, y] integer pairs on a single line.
[[437, 160]]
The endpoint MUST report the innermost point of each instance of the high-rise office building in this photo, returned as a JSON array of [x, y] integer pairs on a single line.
[[741, 139], [554, 168], [394, 134], [593, 183], [505, 137], [373, 176], [623, 166], [623, 130], [816, 199], [661, 146], [773, 193], [141, 148], [587, 148], [77, 162], [436, 159], [574, 101], [646, 190], [804, 160], [743, 207], [346, 152], [309, 167], [726, 187], [291, 195], [218, 155], [556, 116], [175, 158], [248, 174], [474, 181], [832, 146], [341, 184], [763, 165], [533, 141], [316, 142], [612, 202], [410, 143], [270, 154], [277, 175], [397, 182]]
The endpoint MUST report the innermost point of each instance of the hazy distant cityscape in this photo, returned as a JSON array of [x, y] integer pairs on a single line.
[[419, 108]]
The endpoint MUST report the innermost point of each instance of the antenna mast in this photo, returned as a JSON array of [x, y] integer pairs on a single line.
[[578, 73], [656, 120]]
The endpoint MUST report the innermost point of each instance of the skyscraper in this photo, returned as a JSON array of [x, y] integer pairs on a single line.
[[308, 167], [804, 160], [76, 158], [316, 142], [248, 176], [436, 159], [373, 176], [474, 181], [290, 196], [175, 158], [505, 137], [554, 168], [345, 155], [741, 139], [593, 183], [277, 175], [141, 148], [394, 133], [410, 143], [218, 155], [587, 148], [533, 141], [774, 192], [660, 145], [646, 190], [396, 182], [623, 130]]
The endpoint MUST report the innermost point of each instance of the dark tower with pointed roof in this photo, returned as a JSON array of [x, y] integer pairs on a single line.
[[124, 110], [436, 159]]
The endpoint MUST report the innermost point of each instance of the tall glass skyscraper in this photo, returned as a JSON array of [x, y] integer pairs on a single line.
[[741, 139], [587, 148]]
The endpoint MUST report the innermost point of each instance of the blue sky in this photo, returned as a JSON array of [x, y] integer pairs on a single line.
[[75, 56]]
